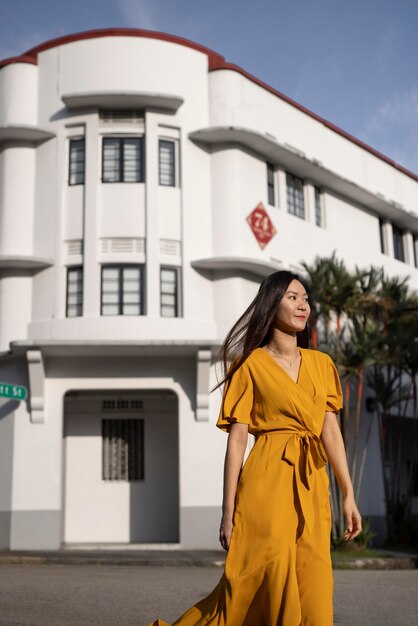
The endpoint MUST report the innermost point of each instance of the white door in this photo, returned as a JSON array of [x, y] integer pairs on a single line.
[[121, 468]]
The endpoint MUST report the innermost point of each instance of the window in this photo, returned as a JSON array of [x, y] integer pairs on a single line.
[[318, 207], [382, 236], [122, 290], [295, 200], [167, 163], [74, 292], [77, 162], [270, 183], [169, 291], [398, 250], [122, 160], [123, 449]]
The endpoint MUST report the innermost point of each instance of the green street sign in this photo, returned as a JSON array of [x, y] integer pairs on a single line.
[[15, 392]]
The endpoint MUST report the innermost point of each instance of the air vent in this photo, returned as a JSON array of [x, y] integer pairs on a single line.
[[74, 246], [170, 247], [123, 245], [122, 117], [122, 404]]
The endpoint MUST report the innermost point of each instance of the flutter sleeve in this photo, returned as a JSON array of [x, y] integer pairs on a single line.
[[237, 401], [334, 390]]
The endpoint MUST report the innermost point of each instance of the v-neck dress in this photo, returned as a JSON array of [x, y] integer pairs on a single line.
[[278, 569]]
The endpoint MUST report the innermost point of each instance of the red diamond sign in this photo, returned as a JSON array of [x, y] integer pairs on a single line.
[[261, 225]]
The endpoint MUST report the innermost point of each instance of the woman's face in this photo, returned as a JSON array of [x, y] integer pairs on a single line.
[[293, 310]]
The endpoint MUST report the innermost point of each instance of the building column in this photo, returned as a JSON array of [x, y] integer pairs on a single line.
[[309, 197], [408, 246], [91, 269], [152, 251], [281, 193], [387, 234]]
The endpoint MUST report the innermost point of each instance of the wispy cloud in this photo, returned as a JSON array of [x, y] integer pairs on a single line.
[[400, 110], [188, 18], [141, 13], [393, 127]]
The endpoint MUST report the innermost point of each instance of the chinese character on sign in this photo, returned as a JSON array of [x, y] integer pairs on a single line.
[[261, 225]]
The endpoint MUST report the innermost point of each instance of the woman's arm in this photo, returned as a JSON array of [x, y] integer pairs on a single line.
[[334, 447], [237, 443]]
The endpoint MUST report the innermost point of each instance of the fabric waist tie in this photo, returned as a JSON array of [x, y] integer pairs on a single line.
[[308, 447]]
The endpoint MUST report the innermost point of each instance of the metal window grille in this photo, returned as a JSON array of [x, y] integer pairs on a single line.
[[74, 292], [318, 211], [77, 162], [398, 249], [169, 291], [270, 183], [122, 160], [123, 449], [122, 290], [295, 200], [167, 165]]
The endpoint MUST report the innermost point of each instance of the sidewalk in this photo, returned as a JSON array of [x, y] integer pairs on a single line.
[[165, 557]]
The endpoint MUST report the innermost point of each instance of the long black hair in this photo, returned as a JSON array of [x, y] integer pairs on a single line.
[[253, 328]]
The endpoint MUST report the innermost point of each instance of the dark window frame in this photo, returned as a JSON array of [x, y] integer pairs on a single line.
[[73, 142], [271, 191], [120, 304], [381, 235], [318, 193], [292, 182], [121, 171], [176, 271], [172, 144], [398, 243], [74, 268]]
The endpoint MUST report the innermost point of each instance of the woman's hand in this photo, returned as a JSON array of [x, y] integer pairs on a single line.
[[352, 518], [225, 532]]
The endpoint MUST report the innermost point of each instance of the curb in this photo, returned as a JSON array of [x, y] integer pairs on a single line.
[[198, 558], [390, 563]]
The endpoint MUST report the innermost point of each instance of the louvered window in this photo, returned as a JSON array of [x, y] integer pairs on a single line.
[[122, 290], [77, 162], [167, 164], [295, 201], [74, 292], [122, 160], [169, 291], [123, 449]]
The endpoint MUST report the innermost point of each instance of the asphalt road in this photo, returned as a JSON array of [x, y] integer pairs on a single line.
[[70, 595]]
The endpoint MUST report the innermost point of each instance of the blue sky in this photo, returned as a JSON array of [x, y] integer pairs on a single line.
[[354, 62]]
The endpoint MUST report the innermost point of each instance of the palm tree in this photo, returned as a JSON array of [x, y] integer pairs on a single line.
[[314, 280]]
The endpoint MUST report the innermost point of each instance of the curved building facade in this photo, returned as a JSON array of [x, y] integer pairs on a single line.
[[146, 187]]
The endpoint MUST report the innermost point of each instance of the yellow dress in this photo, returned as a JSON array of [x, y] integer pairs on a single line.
[[278, 568]]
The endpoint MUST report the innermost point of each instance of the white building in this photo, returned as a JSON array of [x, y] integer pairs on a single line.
[[129, 162]]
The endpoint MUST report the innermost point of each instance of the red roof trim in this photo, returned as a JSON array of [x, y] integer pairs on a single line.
[[215, 61], [115, 32], [236, 68], [21, 59]]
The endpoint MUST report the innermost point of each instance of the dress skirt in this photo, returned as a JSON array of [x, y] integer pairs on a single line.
[[278, 569]]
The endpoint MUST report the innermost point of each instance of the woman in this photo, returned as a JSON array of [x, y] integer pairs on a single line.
[[276, 519]]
